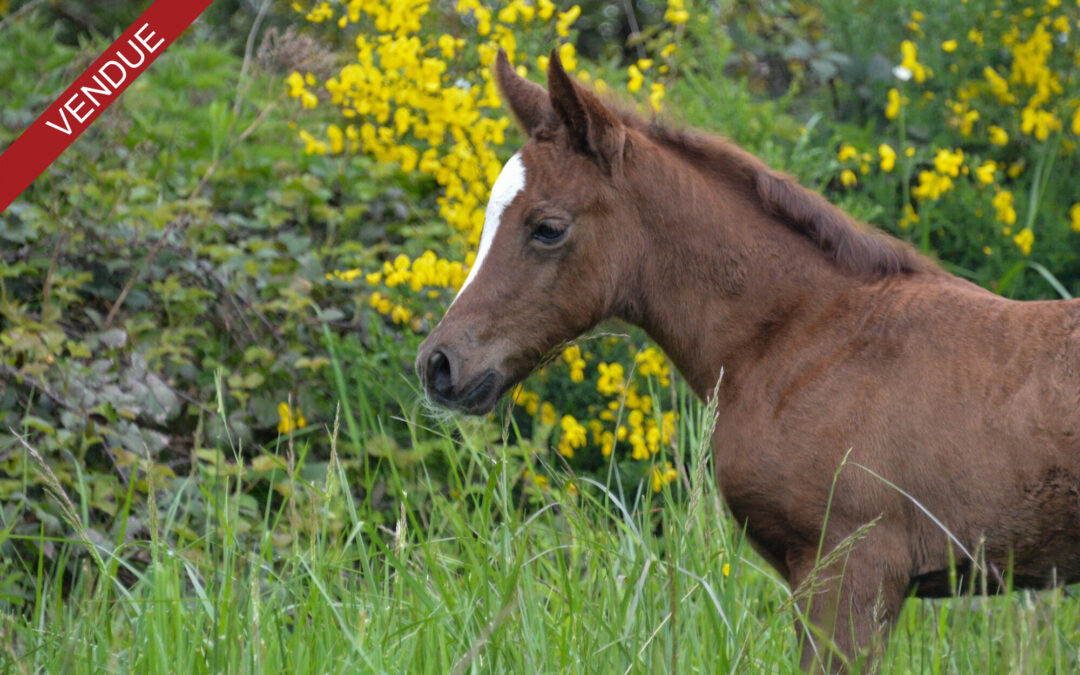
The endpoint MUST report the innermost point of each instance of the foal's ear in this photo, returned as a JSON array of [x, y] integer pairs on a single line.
[[594, 130], [528, 101]]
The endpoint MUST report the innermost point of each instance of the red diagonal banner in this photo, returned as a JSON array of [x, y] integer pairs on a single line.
[[100, 85]]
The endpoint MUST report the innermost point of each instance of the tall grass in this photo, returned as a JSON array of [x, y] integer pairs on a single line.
[[485, 574]]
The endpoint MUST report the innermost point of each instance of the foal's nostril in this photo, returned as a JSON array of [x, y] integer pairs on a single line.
[[439, 377]]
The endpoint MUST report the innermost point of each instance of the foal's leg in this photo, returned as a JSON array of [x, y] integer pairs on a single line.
[[850, 604]]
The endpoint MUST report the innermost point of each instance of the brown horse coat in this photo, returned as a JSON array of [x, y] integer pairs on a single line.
[[958, 410]]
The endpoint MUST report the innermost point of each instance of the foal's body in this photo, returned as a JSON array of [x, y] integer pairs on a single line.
[[960, 409], [968, 402]]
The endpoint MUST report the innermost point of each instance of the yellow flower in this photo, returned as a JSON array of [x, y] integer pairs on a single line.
[[1029, 65], [664, 476], [656, 95], [636, 78], [975, 36], [536, 479], [596, 428], [1038, 122], [568, 56], [965, 118], [607, 443], [949, 163], [1003, 205], [610, 381], [312, 146], [910, 217], [650, 362], [567, 19], [985, 172], [949, 46], [676, 12], [848, 178], [574, 436], [998, 136], [320, 13], [526, 399], [999, 86], [289, 420], [446, 45], [400, 314], [1024, 239], [847, 152], [548, 416], [337, 139], [910, 64], [347, 275], [892, 108], [726, 570], [296, 84], [1074, 215], [508, 14], [572, 356], [888, 157], [931, 186]]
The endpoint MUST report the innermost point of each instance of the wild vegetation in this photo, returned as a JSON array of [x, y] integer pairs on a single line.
[[213, 455]]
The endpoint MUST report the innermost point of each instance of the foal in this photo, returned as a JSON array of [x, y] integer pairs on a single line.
[[833, 338]]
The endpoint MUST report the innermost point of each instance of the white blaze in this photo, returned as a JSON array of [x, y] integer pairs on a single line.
[[510, 182]]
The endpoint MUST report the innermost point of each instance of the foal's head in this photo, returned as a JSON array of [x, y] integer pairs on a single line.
[[557, 245]]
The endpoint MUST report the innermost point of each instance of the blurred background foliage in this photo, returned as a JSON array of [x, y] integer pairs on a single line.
[[236, 248]]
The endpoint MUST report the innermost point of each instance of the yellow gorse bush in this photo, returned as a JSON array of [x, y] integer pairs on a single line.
[[419, 96], [406, 103]]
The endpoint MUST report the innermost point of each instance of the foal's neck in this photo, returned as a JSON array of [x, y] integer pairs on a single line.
[[723, 280]]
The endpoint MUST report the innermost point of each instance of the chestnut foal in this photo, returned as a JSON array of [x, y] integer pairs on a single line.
[[832, 337]]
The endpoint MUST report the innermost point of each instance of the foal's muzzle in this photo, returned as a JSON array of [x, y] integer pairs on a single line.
[[440, 371]]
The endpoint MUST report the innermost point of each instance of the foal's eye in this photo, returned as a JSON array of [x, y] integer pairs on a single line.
[[549, 232]]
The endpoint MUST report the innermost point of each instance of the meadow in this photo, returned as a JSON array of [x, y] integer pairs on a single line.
[[482, 576], [213, 453]]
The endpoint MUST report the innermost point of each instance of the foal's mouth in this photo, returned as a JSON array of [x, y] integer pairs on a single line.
[[479, 398]]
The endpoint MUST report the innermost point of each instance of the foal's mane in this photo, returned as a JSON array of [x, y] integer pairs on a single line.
[[856, 248]]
